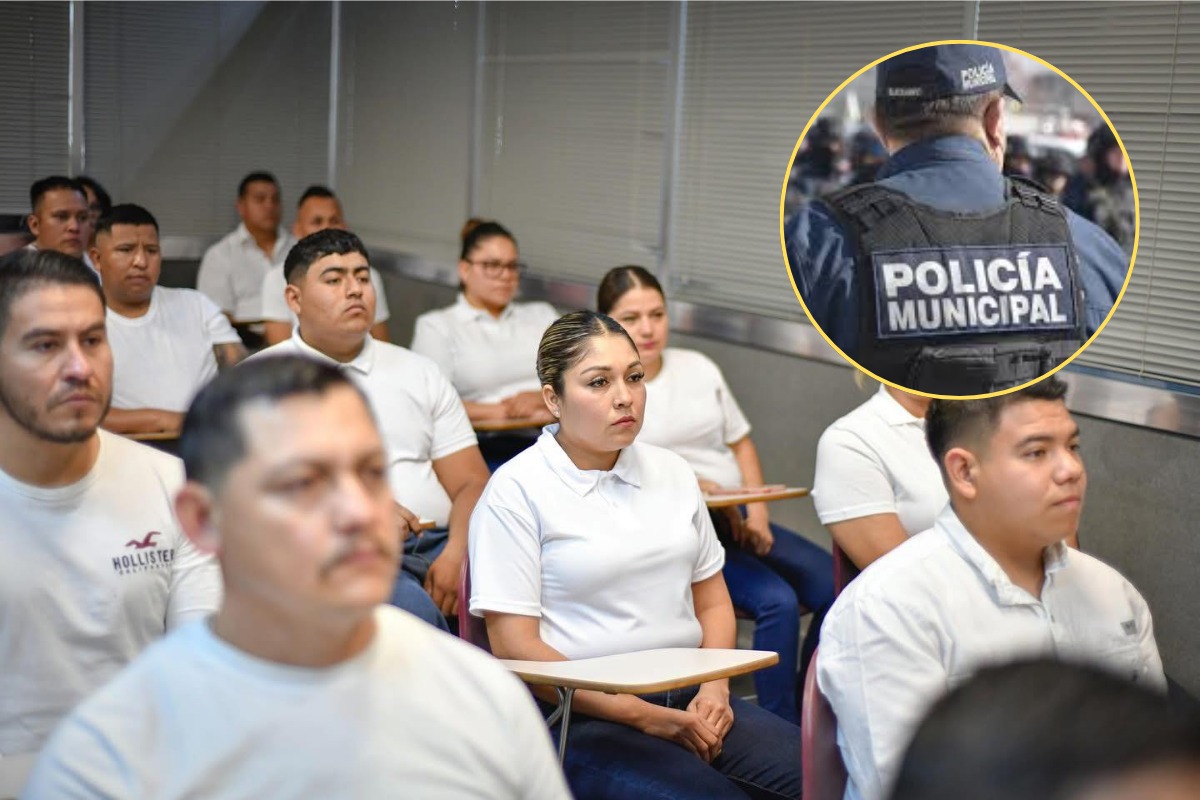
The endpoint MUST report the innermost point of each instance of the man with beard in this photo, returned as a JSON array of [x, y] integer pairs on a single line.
[[93, 566]]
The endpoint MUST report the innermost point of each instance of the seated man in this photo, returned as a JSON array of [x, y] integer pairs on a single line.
[[992, 581], [93, 566], [59, 218], [166, 343], [435, 466], [98, 200], [301, 685], [317, 210], [232, 270]]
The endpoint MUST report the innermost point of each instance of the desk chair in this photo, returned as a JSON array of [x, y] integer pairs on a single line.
[[470, 628], [820, 759], [844, 571]]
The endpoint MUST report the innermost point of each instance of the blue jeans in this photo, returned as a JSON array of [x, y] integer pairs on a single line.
[[772, 589], [760, 758], [409, 592]]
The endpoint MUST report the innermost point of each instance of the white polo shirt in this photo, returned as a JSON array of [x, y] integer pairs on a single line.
[[419, 415], [231, 272], [162, 358], [90, 574], [418, 713], [691, 411], [933, 611], [275, 307], [606, 559], [875, 460], [487, 359]]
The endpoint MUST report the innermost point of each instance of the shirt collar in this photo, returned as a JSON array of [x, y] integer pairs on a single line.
[[582, 481], [893, 413], [1054, 559], [468, 312], [361, 364], [282, 239], [922, 153]]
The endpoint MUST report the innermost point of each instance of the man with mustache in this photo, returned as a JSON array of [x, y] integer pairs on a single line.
[[991, 582], [93, 566], [302, 685], [435, 467]]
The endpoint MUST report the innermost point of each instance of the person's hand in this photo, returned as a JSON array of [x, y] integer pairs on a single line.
[[526, 404], [441, 582], [407, 523], [756, 536], [708, 486], [687, 729], [712, 704]]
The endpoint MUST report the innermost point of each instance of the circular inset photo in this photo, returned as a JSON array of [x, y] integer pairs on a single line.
[[959, 219]]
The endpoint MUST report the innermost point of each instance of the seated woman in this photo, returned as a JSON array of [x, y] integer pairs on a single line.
[[876, 483], [590, 544], [771, 571], [485, 343]]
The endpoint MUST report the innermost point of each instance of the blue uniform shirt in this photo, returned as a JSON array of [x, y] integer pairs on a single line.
[[952, 173]]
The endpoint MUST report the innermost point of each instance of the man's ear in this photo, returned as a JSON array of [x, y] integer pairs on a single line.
[[33, 223], [291, 293], [197, 515], [880, 131], [962, 471], [995, 129], [551, 400]]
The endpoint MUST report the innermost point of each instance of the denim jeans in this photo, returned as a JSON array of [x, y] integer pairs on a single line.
[[408, 592], [760, 758], [772, 589]]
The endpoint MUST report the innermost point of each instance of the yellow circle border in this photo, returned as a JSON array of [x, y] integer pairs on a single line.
[[1136, 201]]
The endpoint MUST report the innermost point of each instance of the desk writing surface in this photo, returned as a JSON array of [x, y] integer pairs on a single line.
[[644, 671], [724, 499]]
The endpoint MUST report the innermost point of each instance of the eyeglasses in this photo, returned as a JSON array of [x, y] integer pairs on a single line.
[[496, 269]]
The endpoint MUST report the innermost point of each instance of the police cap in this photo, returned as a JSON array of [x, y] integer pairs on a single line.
[[943, 70]]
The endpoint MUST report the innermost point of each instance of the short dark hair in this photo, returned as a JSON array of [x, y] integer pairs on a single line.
[[327, 242], [255, 177], [1042, 729], [24, 271], [213, 438], [948, 423], [125, 214], [619, 280], [565, 343], [51, 184], [475, 230], [914, 120], [102, 197], [316, 191]]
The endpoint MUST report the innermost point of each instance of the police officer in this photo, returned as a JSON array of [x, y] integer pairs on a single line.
[[944, 276]]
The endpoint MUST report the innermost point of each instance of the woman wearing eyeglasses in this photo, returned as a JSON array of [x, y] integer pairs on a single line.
[[485, 343]]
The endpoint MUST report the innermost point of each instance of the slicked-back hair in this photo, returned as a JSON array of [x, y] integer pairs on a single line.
[[50, 184], [125, 214], [26, 270], [315, 246], [951, 423], [316, 191], [255, 177], [213, 438], [1043, 729], [566, 342], [475, 231], [103, 199], [619, 280], [912, 121]]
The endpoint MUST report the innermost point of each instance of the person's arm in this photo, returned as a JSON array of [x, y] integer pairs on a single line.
[[518, 637], [714, 610], [275, 332], [528, 404], [142, 420], [463, 474], [755, 534], [867, 538], [229, 354], [484, 412]]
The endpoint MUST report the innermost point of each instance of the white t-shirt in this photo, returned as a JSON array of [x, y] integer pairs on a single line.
[[275, 307], [417, 714], [419, 415], [487, 359], [875, 460], [162, 358], [691, 411], [933, 611], [90, 574], [231, 272], [606, 559]]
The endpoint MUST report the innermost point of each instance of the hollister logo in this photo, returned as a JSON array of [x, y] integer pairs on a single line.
[[146, 555], [981, 75], [973, 290]]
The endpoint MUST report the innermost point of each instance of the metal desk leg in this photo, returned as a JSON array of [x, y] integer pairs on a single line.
[[565, 695]]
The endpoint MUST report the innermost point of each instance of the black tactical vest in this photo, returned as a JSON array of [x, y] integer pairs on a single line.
[[962, 304]]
